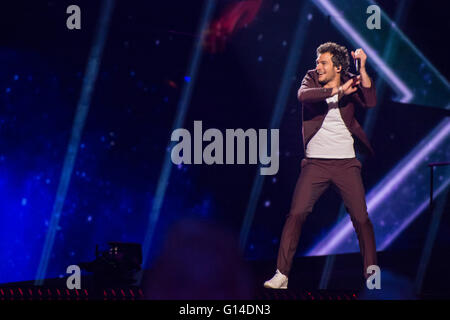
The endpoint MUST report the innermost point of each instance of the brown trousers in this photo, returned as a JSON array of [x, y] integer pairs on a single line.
[[315, 177]]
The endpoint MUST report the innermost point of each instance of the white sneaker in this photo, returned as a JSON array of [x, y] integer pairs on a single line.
[[279, 281]]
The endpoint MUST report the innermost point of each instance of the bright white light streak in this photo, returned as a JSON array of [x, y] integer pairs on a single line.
[[413, 216]]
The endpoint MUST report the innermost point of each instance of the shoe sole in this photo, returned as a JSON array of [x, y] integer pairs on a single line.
[[270, 287]]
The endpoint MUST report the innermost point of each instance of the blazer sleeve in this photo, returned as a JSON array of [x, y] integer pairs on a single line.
[[308, 92], [366, 97]]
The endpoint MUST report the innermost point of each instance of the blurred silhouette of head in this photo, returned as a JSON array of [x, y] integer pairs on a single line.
[[199, 260]]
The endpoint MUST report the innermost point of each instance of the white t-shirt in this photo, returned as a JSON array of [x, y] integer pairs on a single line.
[[333, 140]]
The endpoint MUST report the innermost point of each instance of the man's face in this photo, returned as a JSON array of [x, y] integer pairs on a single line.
[[325, 68]]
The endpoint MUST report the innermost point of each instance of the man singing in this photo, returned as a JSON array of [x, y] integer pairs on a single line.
[[330, 133]]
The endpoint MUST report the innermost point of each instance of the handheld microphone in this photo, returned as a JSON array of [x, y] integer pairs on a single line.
[[357, 65]]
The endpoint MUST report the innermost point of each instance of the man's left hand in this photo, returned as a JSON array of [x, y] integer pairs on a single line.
[[361, 55]]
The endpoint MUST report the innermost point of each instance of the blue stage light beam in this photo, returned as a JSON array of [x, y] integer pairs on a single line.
[[280, 104], [397, 199], [182, 108], [77, 129]]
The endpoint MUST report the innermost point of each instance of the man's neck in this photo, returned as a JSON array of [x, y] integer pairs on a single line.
[[333, 83]]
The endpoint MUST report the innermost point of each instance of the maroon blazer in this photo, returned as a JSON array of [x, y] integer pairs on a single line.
[[312, 95]]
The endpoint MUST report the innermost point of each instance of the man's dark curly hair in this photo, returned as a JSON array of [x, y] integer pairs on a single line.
[[339, 54]]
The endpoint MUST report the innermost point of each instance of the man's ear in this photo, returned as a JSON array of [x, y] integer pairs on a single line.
[[338, 69]]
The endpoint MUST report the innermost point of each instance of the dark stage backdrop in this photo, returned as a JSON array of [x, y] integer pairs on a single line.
[[123, 146]]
